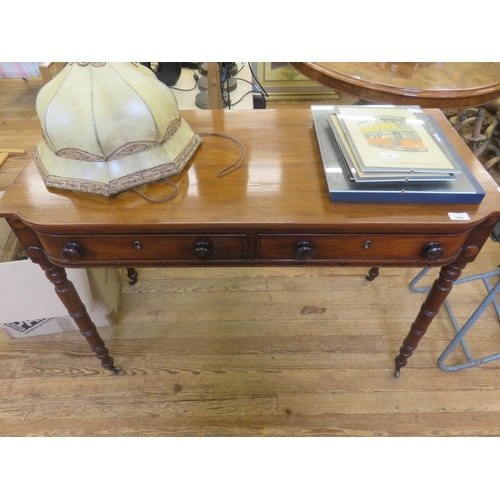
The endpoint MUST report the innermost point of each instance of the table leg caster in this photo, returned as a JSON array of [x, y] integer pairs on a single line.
[[132, 275], [372, 274], [397, 371]]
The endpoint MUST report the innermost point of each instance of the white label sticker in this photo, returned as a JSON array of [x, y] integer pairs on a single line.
[[455, 216], [389, 155]]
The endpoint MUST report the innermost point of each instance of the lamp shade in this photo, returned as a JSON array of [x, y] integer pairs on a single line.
[[110, 127]]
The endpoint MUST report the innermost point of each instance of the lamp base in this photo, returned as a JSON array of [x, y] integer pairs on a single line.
[[202, 100]]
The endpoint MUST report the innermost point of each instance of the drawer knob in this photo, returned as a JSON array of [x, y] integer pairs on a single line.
[[202, 250], [72, 251], [433, 251], [304, 250]]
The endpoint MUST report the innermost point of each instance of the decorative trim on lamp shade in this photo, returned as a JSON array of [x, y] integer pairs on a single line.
[[110, 127]]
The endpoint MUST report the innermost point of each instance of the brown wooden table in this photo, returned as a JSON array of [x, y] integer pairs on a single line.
[[440, 85], [273, 211]]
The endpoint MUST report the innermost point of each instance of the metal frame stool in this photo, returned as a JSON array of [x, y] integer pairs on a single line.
[[460, 332]]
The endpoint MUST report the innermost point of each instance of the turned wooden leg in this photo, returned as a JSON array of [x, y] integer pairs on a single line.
[[435, 298], [440, 290], [76, 309], [66, 293]]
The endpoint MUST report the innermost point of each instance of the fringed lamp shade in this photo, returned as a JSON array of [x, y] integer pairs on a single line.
[[109, 127]]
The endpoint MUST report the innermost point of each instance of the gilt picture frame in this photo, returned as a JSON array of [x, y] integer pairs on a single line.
[[281, 81]]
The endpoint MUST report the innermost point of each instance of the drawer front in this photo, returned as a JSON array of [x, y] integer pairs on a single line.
[[351, 248], [145, 248]]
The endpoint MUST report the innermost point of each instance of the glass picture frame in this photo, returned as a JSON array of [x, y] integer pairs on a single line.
[[387, 138], [281, 81]]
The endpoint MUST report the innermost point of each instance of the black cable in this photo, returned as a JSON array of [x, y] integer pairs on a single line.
[[258, 83], [253, 85], [256, 91], [247, 81], [241, 69], [242, 97], [224, 100], [228, 76], [196, 78], [259, 89]]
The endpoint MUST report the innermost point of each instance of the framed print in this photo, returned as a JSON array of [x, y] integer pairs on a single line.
[[282, 81], [356, 173], [394, 138]]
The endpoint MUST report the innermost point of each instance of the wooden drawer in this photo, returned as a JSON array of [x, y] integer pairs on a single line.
[[351, 248], [145, 248]]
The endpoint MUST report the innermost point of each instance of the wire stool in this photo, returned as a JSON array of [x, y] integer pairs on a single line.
[[460, 332]]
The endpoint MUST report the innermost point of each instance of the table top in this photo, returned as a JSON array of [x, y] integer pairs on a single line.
[[281, 185], [440, 85]]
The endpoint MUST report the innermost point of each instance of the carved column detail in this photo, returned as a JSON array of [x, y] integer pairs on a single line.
[[66, 293], [435, 298], [440, 290]]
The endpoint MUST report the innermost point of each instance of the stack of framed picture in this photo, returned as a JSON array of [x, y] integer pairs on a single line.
[[390, 153]]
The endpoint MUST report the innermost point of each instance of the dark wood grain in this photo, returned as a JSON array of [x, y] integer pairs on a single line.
[[443, 85], [274, 210], [282, 170]]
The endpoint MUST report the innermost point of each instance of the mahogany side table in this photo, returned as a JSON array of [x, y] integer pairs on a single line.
[[443, 85], [273, 211]]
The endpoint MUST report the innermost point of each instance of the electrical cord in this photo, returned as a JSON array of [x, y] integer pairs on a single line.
[[256, 91], [241, 68], [163, 200], [257, 86], [227, 84], [196, 78], [262, 89], [225, 171], [242, 97], [236, 164]]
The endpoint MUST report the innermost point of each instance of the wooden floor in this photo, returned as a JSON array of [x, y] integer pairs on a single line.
[[248, 351]]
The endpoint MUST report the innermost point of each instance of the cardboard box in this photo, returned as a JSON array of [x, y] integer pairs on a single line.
[[36, 301], [29, 305]]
